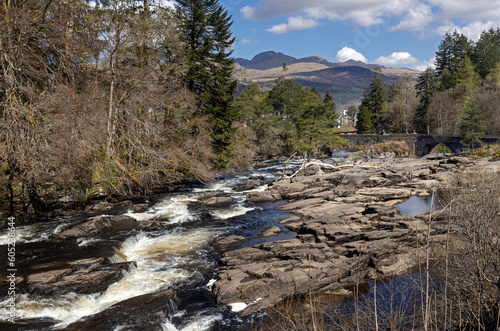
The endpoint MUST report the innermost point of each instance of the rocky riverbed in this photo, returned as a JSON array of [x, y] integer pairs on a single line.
[[347, 226]]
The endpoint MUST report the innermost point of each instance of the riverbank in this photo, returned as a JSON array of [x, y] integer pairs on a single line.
[[348, 229]]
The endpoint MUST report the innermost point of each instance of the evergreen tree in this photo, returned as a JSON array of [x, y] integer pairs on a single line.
[[426, 86], [315, 90], [373, 100], [472, 126], [328, 97], [364, 123], [205, 27], [486, 52], [466, 80], [452, 49]]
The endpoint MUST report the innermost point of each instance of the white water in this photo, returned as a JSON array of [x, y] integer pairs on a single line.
[[162, 262], [175, 209]]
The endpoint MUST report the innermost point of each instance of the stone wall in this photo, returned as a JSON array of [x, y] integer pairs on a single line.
[[420, 144]]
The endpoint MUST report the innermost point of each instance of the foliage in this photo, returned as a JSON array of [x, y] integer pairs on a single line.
[[400, 106], [205, 31], [364, 123], [486, 53], [472, 127], [452, 49], [373, 102], [92, 97], [473, 263], [426, 87], [288, 119]]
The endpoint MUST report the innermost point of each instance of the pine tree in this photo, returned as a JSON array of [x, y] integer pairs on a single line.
[[452, 49], [315, 90], [364, 124], [426, 86], [472, 126], [205, 27], [373, 100], [486, 52], [328, 97]]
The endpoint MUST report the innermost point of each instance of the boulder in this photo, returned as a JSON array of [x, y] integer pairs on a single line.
[[217, 201], [272, 231], [78, 277], [144, 312], [99, 226], [250, 185], [265, 196]]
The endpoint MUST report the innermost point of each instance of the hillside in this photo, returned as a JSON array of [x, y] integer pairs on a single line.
[[346, 81]]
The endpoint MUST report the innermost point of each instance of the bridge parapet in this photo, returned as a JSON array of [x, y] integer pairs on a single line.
[[419, 144]]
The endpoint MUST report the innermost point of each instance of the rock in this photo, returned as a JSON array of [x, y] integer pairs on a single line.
[[77, 277], [250, 185], [312, 170], [229, 240], [150, 225], [217, 201], [266, 196], [99, 226], [272, 231], [140, 207], [347, 228], [144, 312]]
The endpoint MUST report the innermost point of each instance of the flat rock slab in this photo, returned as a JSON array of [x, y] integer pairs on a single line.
[[347, 228]]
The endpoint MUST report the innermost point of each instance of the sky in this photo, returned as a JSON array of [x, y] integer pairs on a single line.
[[394, 33]]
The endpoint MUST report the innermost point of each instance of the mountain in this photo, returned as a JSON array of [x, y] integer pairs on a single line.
[[345, 80]]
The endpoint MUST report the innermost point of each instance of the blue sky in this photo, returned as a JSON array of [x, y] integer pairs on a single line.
[[400, 33]]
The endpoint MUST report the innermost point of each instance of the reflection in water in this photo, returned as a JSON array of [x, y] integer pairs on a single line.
[[417, 206]]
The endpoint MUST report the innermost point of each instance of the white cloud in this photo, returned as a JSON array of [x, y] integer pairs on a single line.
[[416, 19], [249, 41], [346, 54], [294, 23], [363, 12], [397, 59], [422, 65], [413, 15], [477, 10], [471, 31]]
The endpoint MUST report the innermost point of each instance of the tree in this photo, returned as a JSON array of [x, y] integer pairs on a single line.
[[401, 105], [205, 30], [364, 123], [472, 126], [486, 53], [426, 87], [328, 97], [43, 48], [452, 49], [374, 98], [352, 113], [151, 129]]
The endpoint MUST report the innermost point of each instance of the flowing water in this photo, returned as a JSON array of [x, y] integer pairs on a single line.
[[180, 256]]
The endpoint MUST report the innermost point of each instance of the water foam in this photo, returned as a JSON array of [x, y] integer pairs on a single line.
[[175, 209], [200, 323], [162, 262]]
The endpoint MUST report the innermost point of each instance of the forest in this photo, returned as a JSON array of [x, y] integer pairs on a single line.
[[459, 97], [111, 98], [121, 98]]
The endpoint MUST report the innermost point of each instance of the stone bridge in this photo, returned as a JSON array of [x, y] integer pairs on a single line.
[[420, 144]]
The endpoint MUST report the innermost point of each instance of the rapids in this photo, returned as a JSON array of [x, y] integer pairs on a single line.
[[180, 256]]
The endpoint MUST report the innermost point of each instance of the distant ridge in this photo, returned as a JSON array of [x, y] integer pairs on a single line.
[[270, 59], [346, 81]]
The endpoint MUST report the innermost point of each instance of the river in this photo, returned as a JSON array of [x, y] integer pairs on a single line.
[[181, 256]]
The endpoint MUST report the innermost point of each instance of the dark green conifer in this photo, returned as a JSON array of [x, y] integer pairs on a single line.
[[205, 27]]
